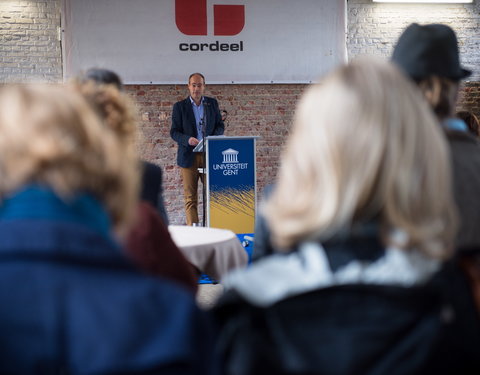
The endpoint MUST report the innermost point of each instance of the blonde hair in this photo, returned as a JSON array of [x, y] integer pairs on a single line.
[[51, 136], [115, 109], [364, 146]]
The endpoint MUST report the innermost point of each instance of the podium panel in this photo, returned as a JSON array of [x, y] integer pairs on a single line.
[[231, 183]]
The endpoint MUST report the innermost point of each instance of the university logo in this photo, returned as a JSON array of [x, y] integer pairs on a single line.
[[230, 156], [191, 18], [230, 165]]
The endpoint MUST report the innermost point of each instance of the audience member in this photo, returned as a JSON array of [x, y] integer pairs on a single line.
[[263, 245], [366, 220], [104, 76], [148, 242], [429, 55], [152, 188], [71, 302], [224, 115], [471, 120], [151, 183], [151, 247]]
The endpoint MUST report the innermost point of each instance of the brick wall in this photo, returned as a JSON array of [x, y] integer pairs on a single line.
[[373, 28], [29, 45], [470, 98], [257, 110], [29, 50]]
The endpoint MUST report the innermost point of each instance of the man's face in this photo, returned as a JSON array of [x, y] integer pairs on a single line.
[[196, 86]]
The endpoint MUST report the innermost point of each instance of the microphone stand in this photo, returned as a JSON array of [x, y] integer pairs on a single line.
[[204, 154]]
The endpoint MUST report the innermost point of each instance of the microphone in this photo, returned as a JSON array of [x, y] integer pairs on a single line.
[[206, 104]]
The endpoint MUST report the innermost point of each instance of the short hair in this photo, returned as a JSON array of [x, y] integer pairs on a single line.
[[51, 136], [103, 76], [196, 74], [364, 146]]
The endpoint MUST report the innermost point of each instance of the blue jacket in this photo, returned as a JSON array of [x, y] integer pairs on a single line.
[[184, 127], [71, 303]]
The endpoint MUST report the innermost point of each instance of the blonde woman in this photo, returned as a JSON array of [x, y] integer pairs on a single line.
[[362, 219], [70, 301]]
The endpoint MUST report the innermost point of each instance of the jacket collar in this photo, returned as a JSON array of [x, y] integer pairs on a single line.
[[40, 202], [279, 276]]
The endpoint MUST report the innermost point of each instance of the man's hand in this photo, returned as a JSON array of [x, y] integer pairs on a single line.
[[193, 141]]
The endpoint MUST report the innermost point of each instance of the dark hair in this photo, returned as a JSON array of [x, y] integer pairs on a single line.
[[471, 120], [441, 93], [196, 74], [224, 114], [104, 76]]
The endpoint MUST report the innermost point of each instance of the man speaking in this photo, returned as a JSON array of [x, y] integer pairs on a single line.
[[192, 118]]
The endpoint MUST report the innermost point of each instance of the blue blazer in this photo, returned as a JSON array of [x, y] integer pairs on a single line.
[[184, 127]]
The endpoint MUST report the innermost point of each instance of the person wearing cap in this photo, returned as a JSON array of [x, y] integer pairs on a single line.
[[429, 55]]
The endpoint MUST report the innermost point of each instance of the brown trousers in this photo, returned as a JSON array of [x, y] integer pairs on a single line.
[[190, 178]]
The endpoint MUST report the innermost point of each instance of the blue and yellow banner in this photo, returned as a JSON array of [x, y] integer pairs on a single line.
[[231, 186]]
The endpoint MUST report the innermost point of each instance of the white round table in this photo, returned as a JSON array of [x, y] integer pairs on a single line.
[[213, 251]]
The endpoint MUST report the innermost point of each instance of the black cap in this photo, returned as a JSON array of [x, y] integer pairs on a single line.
[[422, 51]]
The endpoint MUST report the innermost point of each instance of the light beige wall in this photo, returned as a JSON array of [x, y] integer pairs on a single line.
[[29, 45], [373, 28]]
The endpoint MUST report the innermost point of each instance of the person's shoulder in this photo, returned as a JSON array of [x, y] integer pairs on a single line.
[[152, 168], [461, 136], [210, 99], [463, 144], [182, 102]]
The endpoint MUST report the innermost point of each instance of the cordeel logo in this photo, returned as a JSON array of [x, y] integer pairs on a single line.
[[230, 164], [191, 19]]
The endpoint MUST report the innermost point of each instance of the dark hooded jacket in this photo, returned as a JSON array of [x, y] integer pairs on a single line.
[[346, 327]]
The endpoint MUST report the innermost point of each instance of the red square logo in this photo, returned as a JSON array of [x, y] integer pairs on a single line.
[[191, 18]]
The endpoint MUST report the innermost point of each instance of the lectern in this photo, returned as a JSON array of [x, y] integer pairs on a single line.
[[231, 194]]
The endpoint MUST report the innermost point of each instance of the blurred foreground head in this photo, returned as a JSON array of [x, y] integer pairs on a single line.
[[365, 147], [103, 90], [52, 137]]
